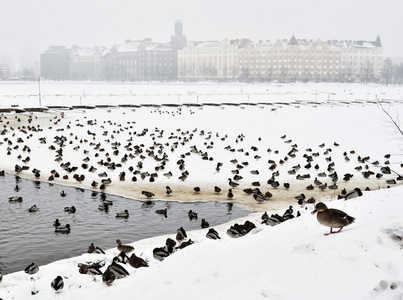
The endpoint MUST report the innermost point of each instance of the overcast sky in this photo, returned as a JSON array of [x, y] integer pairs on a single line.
[[33, 25]]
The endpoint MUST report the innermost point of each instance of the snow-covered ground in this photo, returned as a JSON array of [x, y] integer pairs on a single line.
[[287, 261]]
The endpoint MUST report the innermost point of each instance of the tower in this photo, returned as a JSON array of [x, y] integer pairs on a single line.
[[178, 41]]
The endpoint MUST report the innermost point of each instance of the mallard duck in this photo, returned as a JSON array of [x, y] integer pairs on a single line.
[[137, 262], [181, 234], [31, 269], [162, 212], [168, 191], [124, 248], [33, 208], [332, 217], [123, 258], [160, 253], [57, 284], [56, 223], [63, 194], [95, 250], [147, 194], [70, 210], [185, 244], [232, 183], [230, 195], [89, 270], [118, 270], [104, 207], [204, 224], [217, 190], [123, 214], [192, 215], [63, 229], [353, 194], [108, 277], [170, 245], [212, 234]]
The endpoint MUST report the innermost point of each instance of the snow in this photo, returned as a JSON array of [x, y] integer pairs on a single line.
[[288, 261]]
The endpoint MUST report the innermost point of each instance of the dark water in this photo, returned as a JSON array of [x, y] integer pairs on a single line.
[[29, 237]]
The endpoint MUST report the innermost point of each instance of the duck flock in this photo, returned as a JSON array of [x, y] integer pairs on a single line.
[[109, 151], [184, 163]]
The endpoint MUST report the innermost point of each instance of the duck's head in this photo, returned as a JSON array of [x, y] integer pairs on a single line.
[[319, 208]]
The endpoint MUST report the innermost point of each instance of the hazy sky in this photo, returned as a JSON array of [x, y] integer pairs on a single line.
[[33, 25]]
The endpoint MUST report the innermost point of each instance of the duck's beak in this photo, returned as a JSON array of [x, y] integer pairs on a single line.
[[314, 212]]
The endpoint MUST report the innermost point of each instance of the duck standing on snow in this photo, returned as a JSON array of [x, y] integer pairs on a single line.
[[168, 191], [124, 248], [108, 277], [118, 270], [212, 234], [332, 217], [31, 269], [57, 284], [181, 234], [137, 262], [353, 194]]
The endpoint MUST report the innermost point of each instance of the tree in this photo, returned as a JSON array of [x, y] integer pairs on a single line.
[[367, 72], [387, 71]]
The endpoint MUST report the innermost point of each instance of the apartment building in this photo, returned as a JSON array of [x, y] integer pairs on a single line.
[[283, 60]]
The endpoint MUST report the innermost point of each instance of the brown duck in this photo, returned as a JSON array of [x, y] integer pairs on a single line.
[[331, 217], [124, 248]]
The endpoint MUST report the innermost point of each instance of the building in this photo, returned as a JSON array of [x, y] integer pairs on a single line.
[[283, 60], [55, 63], [87, 63], [178, 42]]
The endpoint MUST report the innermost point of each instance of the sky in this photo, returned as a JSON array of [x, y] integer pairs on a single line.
[[30, 27]]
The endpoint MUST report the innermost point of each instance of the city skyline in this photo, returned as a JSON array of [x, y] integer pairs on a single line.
[[34, 26]]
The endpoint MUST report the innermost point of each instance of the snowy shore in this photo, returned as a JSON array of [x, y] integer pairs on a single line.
[[290, 260]]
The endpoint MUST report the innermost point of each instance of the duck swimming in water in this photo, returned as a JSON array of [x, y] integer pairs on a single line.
[[63, 229], [123, 214], [33, 208], [332, 217], [70, 210]]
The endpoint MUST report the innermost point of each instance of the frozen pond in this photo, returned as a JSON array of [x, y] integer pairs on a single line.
[[30, 237]]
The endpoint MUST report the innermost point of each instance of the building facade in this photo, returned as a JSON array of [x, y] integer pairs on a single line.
[[283, 60]]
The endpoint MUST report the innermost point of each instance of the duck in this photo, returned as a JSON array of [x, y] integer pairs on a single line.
[[353, 194], [63, 194], [70, 210], [15, 199], [118, 270], [63, 229], [31, 269], [259, 197], [56, 223], [163, 211], [181, 234], [103, 207], [192, 215], [217, 189], [332, 217], [123, 258], [123, 214], [160, 253], [137, 262], [57, 284], [96, 250], [168, 190], [196, 190], [185, 244], [212, 234], [33, 208], [233, 184], [230, 195], [147, 194], [89, 269], [108, 277], [124, 248], [170, 245], [204, 224]]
